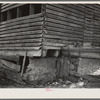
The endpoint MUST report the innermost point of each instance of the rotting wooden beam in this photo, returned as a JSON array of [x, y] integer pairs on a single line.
[[9, 58], [87, 77], [10, 6], [30, 53], [82, 52], [10, 65], [10, 74]]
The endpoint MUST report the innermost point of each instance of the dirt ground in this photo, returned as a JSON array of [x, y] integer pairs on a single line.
[[5, 83]]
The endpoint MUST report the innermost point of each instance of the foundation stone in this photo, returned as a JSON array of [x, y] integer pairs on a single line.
[[40, 70], [88, 66]]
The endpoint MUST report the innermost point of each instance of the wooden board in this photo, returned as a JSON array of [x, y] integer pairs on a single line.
[[10, 74], [10, 65]]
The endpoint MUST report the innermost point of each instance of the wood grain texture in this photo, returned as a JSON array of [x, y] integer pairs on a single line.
[[58, 25]]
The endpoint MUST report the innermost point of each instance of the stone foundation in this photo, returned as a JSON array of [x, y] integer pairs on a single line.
[[88, 66], [40, 70], [48, 69], [43, 70]]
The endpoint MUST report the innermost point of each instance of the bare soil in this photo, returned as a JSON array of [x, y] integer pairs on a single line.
[[5, 83]]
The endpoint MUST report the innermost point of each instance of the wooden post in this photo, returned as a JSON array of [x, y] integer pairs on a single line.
[[23, 65], [58, 67], [8, 15], [18, 12], [31, 9]]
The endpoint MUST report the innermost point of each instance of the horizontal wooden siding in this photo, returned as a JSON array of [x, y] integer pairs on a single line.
[[72, 23], [22, 33], [64, 25]]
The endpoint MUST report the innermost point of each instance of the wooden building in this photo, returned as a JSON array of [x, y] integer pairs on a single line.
[[36, 28], [40, 30]]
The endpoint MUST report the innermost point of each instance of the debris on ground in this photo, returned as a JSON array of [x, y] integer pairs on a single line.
[[59, 84], [97, 72], [77, 85], [6, 83]]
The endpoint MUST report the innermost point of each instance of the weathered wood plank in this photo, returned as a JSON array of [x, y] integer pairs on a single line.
[[23, 18], [62, 37], [10, 74], [10, 6], [21, 45], [66, 18], [78, 7], [64, 7], [9, 58], [14, 26], [54, 40], [53, 44], [57, 29], [51, 47], [63, 22], [63, 12], [22, 30], [21, 22], [67, 33], [67, 42], [10, 65], [2, 4], [36, 32], [64, 27], [30, 53], [65, 38], [21, 37], [20, 48], [86, 77], [21, 26], [67, 13], [7, 5], [23, 41]]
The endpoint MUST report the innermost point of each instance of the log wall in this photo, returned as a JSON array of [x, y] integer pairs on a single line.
[[64, 25], [68, 24], [96, 35], [21, 33], [56, 26]]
